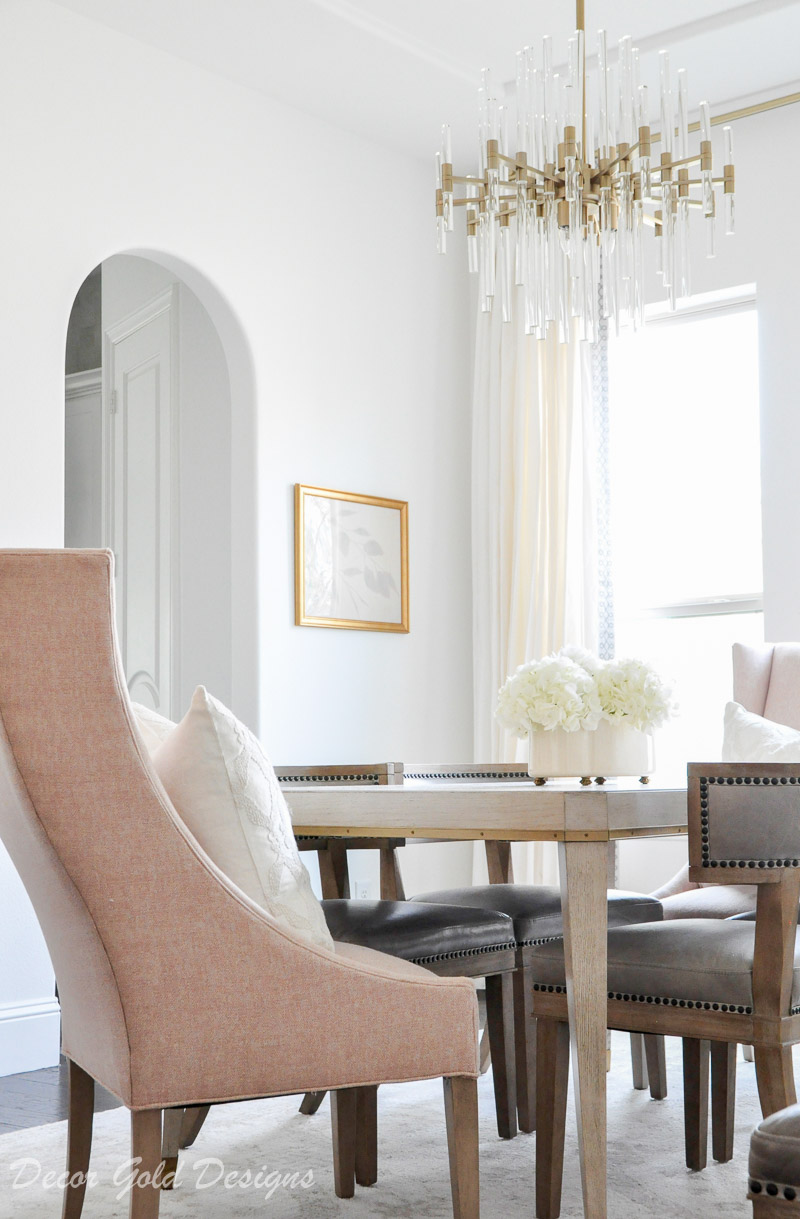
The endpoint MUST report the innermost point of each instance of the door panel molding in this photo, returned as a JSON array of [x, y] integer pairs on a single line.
[[134, 376]]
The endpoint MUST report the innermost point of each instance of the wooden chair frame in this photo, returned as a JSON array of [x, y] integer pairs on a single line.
[[355, 1147], [771, 1027]]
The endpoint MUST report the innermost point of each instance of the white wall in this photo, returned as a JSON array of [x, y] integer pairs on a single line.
[[339, 317]]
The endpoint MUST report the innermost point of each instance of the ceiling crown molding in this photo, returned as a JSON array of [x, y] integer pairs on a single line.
[[710, 25], [386, 32]]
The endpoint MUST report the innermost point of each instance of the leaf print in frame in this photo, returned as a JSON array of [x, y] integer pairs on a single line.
[[351, 560]]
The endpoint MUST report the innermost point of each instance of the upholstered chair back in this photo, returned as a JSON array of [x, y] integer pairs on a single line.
[[766, 681], [174, 985], [744, 821], [744, 828]]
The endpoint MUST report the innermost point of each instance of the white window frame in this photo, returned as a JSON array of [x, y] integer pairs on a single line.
[[707, 304]]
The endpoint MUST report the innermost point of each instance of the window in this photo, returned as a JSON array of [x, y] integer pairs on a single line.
[[685, 508]]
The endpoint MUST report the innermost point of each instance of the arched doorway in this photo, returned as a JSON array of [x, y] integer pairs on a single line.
[[159, 466]]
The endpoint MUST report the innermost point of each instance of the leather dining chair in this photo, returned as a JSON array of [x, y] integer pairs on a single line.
[[531, 914], [166, 1008], [766, 681], [537, 919], [774, 1168], [450, 940], [712, 982], [534, 914]]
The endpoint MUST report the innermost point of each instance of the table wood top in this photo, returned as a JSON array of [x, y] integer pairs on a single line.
[[501, 809]]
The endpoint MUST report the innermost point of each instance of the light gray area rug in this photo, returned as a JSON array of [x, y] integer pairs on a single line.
[[272, 1141]]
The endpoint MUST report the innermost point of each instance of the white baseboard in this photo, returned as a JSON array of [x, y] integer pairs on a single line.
[[30, 1036]]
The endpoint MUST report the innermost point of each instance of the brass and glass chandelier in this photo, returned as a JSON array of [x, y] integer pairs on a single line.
[[562, 199]]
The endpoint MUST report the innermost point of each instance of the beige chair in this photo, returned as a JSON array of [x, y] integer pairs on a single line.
[[712, 982], [176, 990]]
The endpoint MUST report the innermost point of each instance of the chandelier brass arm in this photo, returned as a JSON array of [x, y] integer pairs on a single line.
[[562, 206]]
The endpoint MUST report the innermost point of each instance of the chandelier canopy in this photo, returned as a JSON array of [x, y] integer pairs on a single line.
[[563, 204]]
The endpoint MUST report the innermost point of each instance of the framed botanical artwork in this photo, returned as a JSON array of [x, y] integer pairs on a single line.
[[351, 560]]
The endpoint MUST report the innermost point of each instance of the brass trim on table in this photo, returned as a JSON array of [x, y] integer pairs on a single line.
[[650, 831], [430, 833]]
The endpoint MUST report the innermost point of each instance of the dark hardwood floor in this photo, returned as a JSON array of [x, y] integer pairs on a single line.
[[36, 1098]]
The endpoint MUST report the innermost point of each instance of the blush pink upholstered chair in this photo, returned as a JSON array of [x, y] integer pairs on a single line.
[[176, 989], [766, 681]]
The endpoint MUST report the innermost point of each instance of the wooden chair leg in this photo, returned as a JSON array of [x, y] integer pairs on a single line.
[[145, 1198], [171, 1145], [391, 877], [500, 1023], [343, 1124], [552, 1078], [775, 1077], [193, 1121], [367, 1135], [525, 1048], [79, 1139], [638, 1062], [695, 1101], [311, 1102], [656, 1057], [723, 1099], [334, 874], [499, 863], [461, 1113]]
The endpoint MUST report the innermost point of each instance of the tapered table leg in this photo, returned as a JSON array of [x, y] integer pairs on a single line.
[[583, 867]]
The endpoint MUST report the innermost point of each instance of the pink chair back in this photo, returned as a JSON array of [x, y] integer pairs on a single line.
[[766, 681], [176, 989], [136, 917]]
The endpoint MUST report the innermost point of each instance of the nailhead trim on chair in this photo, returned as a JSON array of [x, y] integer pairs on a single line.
[[369, 780], [789, 1192], [465, 952], [471, 774], [550, 939], [657, 1000], [767, 781]]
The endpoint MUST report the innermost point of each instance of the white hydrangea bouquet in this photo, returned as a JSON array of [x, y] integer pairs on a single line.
[[584, 715]]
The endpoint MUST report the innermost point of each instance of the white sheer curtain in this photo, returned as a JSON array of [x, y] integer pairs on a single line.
[[534, 549]]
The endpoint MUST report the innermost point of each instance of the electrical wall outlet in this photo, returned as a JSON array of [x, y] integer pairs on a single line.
[[362, 890]]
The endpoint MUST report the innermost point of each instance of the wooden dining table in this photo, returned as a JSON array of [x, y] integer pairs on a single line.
[[499, 805]]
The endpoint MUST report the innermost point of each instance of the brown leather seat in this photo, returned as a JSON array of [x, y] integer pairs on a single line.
[[775, 1156], [451, 941], [536, 909], [424, 933], [691, 963]]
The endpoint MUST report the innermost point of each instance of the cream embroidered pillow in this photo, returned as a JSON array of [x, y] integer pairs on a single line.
[[751, 738], [223, 785], [154, 728]]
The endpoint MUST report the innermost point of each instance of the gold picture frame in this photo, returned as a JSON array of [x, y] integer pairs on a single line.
[[350, 560]]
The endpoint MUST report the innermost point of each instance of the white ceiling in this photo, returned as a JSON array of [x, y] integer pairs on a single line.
[[394, 70]]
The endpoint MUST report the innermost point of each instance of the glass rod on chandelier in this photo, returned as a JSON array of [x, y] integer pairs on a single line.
[[568, 188]]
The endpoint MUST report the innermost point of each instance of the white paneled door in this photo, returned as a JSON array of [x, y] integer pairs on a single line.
[[83, 459], [142, 447]]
